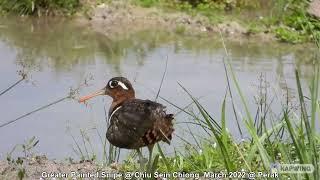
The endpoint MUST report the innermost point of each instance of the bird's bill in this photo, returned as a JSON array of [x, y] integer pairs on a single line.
[[87, 97]]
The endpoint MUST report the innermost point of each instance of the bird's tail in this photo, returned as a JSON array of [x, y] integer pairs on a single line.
[[168, 130], [169, 117]]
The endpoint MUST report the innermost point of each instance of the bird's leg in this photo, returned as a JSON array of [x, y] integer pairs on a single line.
[[141, 161], [150, 148]]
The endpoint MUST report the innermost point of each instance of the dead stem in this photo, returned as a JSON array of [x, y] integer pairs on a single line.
[[23, 77], [71, 95]]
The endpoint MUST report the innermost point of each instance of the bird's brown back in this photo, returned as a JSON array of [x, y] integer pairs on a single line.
[[137, 123]]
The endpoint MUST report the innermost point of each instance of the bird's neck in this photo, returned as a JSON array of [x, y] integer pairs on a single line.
[[118, 101]]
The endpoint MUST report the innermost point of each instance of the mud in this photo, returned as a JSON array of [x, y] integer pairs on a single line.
[[120, 17]]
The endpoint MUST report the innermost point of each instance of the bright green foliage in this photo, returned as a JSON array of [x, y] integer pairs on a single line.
[[146, 3], [39, 7], [227, 4], [220, 152], [288, 34], [292, 138], [287, 19], [296, 25]]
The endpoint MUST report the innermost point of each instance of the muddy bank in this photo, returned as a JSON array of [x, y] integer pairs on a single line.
[[121, 17], [40, 167]]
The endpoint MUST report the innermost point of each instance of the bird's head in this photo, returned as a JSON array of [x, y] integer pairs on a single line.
[[119, 88]]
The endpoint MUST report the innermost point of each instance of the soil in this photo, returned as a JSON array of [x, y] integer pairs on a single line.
[[121, 17], [39, 167]]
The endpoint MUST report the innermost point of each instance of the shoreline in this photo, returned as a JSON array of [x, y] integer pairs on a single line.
[[121, 18]]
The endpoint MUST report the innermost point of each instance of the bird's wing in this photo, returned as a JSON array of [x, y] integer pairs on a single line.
[[140, 115], [135, 118]]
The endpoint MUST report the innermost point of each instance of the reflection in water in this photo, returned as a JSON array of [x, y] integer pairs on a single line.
[[65, 45], [60, 54]]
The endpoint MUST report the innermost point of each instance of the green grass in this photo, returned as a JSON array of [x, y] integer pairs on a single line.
[[301, 146], [219, 151], [292, 138], [296, 25], [146, 3], [39, 7], [288, 20]]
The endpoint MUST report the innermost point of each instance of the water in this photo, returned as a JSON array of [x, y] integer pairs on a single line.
[[59, 54]]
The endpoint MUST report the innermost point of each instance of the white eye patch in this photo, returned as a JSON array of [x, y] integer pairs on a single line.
[[114, 83], [122, 85]]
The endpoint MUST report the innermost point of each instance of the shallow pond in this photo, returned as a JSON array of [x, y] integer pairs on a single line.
[[58, 55]]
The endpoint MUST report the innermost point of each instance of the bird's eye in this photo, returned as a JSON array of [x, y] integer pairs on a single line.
[[113, 84]]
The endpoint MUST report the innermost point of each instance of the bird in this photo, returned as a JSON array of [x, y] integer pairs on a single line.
[[134, 123]]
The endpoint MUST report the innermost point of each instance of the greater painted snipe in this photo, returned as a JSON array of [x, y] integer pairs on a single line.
[[134, 123]]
